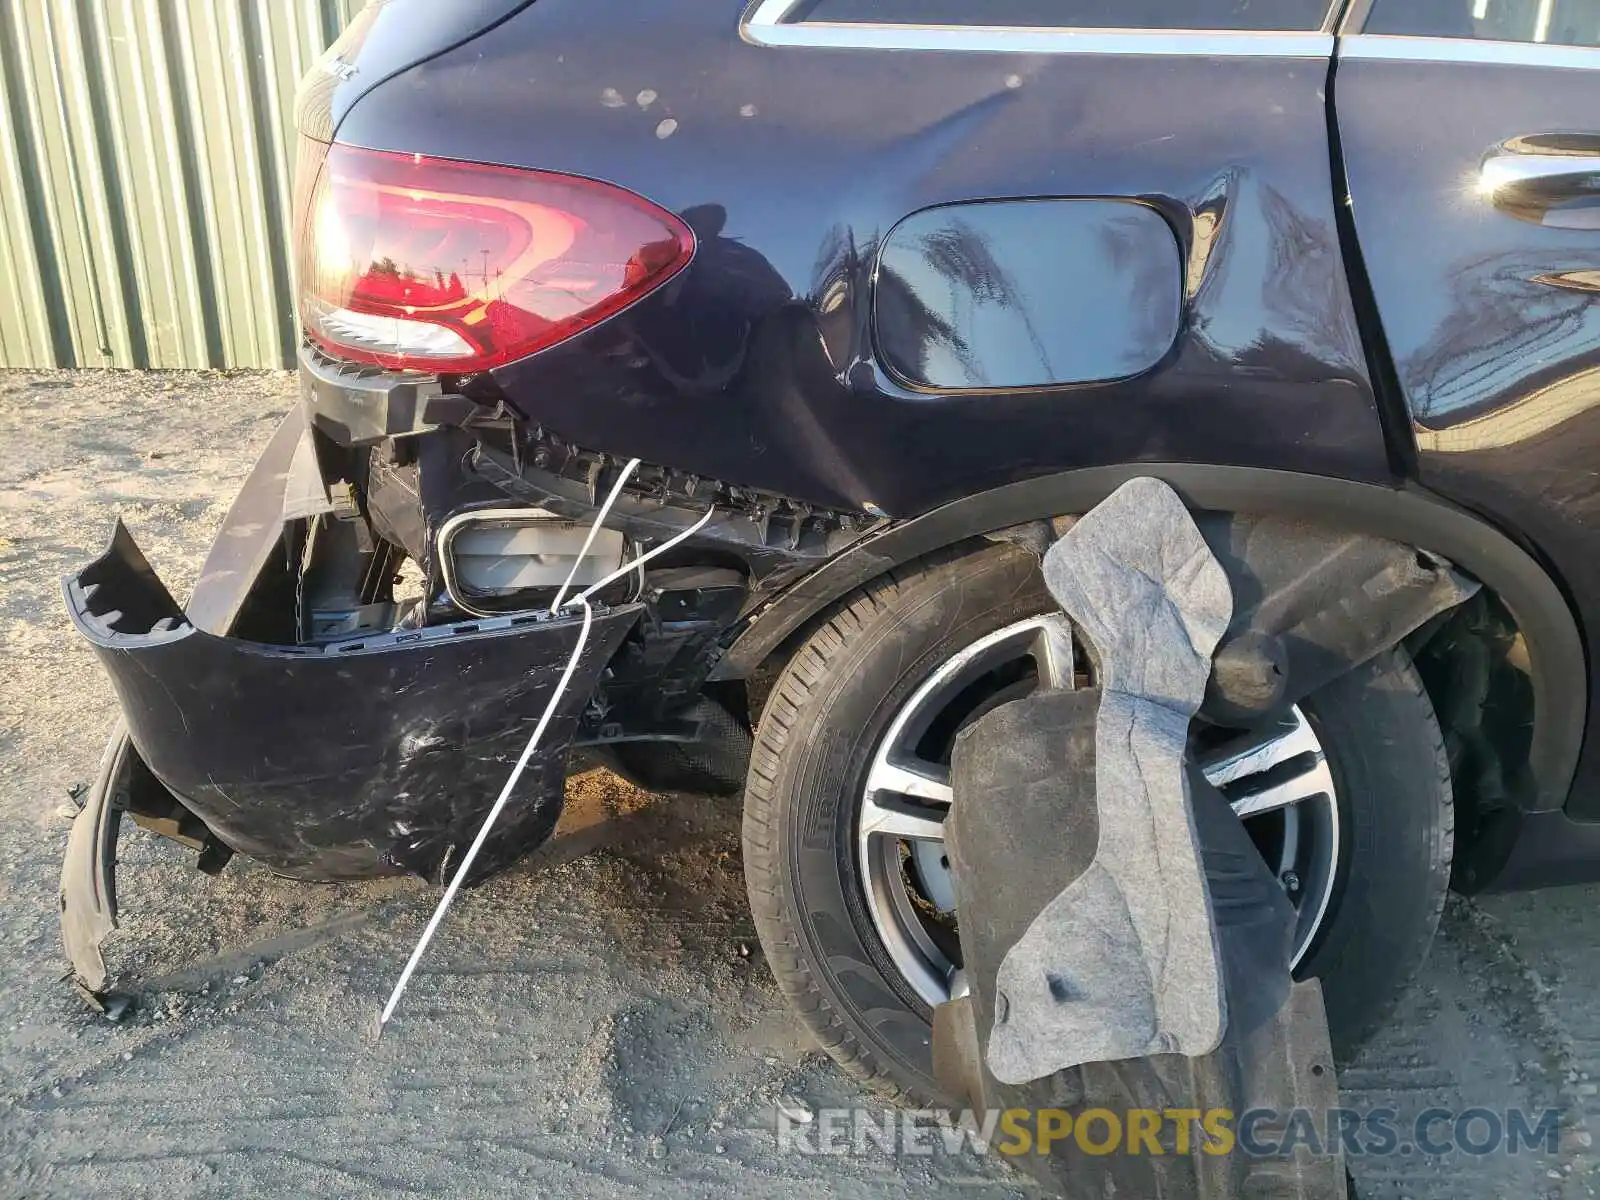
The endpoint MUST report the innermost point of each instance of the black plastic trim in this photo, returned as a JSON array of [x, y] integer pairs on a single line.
[[358, 406], [1404, 514]]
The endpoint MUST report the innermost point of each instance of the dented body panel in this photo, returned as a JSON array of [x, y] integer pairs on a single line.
[[759, 364]]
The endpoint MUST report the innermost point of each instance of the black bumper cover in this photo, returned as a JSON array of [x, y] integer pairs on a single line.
[[367, 757]]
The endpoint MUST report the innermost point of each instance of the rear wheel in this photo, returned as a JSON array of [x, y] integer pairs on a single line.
[[1347, 799]]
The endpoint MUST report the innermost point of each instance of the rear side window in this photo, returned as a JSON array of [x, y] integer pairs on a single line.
[[1293, 15], [1556, 22]]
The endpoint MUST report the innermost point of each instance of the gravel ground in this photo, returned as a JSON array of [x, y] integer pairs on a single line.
[[596, 1023]]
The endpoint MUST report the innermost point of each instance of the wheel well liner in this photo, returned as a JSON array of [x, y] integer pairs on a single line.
[[1404, 514]]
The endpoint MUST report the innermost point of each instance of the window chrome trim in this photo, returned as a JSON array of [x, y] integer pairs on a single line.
[[1387, 47], [1335, 15], [1355, 16], [764, 24]]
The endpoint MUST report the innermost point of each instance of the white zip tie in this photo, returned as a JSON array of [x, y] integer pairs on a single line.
[[488, 822], [538, 731], [628, 568], [594, 529]]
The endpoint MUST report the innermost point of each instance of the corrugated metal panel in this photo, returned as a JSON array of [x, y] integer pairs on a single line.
[[146, 154]]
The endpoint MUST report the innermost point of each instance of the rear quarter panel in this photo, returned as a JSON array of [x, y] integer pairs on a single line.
[[758, 366]]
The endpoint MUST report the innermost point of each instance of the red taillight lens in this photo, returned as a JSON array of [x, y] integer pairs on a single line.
[[426, 263]]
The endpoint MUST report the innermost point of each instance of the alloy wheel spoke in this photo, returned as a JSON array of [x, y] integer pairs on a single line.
[[925, 781], [1053, 653], [888, 816], [1312, 784], [1284, 770], [1262, 757]]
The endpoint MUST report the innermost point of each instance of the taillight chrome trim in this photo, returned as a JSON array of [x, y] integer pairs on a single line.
[[421, 339]]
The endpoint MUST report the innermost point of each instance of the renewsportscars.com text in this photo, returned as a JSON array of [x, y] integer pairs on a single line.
[[1374, 1132]]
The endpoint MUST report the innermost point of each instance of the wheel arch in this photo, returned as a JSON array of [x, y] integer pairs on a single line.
[[1409, 515]]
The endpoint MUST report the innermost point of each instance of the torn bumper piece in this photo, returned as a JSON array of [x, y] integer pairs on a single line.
[[88, 873], [372, 756]]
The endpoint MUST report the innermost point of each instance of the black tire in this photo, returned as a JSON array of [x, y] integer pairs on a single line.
[[842, 688], [1386, 751]]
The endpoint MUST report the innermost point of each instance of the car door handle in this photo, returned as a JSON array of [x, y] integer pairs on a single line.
[[1547, 186]]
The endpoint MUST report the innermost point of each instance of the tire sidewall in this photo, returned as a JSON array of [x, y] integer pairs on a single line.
[[938, 614], [1396, 820]]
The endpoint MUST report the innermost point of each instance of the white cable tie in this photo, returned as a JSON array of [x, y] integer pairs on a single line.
[[488, 822], [594, 529], [538, 731], [628, 568]]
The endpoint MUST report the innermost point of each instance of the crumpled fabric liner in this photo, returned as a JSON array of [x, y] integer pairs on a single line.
[[1124, 963]]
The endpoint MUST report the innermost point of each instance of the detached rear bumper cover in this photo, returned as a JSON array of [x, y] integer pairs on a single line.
[[374, 756], [365, 757]]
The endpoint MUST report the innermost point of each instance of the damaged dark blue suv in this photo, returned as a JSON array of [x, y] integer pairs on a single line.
[[880, 296]]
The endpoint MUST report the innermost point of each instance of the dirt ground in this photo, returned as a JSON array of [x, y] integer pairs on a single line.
[[598, 1023]]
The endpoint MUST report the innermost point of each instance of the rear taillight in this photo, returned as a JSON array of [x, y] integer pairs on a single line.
[[426, 263]]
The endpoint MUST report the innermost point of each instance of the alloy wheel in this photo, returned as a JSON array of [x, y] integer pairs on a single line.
[[1277, 779]]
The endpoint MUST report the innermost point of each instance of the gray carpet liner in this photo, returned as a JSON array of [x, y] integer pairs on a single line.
[[1123, 963]]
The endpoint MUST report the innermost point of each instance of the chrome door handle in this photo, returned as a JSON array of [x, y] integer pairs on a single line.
[[1547, 187]]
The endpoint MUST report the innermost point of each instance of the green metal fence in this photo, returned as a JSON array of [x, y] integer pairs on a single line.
[[146, 154]]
